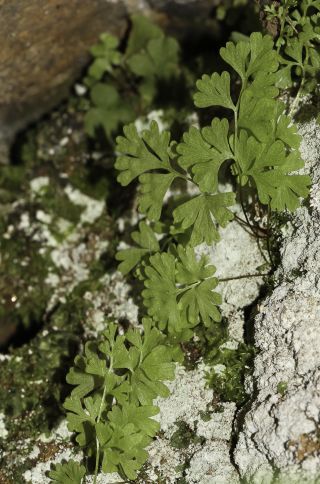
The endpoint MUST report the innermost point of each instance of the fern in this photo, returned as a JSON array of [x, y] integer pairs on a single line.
[[110, 409], [297, 42], [124, 84], [70, 472], [261, 147], [116, 380], [179, 290]]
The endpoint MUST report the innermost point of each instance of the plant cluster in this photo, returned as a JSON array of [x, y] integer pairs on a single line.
[[111, 407], [125, 84], [118, 378], [297, 42], [233, 358]]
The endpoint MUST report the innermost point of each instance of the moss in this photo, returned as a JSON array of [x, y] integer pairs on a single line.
[[22, 274], [282, 387], [55, 201], [235, 362], [33, 379], [184, 436], [45, 324]]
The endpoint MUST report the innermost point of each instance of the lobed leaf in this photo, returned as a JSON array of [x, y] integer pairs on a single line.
[[257, 115], [158, 58], [214, 91], [160, 291], [236, 56], [108, 110], [147, 242], [202, 213], [140, 155], [106, 56], [142, 31], [198, 299], [169, 278], [205, 151], [252, 57], [70, 472], [269, 166]]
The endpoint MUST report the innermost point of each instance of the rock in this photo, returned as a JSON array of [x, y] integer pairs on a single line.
[[45, 47], [281, 429]]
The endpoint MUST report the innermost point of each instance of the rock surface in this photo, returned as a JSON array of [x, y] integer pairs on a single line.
[[281, 429], [45, 46]]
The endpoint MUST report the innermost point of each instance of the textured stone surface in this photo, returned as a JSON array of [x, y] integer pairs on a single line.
[[44, 47], [281, 430]]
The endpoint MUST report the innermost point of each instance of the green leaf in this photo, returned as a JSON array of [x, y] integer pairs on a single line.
[[161, 292], [205, 151], [198, 298], [159, 58], [286, 131], [257, 115], [76, 376], [108, 112], [288, 189], [283, 77], [250, 58], [264, 85], [152, 190], [236, 56], [294, 50], [141, 418], [189, 269], [141, 153], [142, 31], [106, 56], [104, 95], [203, 213], [123, 439], [122, 446], [80, 420], [144, 153], [263, 57], [147, 242], [201, 301], [214, 91], [70, 472], [153, 366], [169, 279], [157, 364], [269, 167]]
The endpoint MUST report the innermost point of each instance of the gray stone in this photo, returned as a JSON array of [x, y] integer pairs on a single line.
[[281, 429]]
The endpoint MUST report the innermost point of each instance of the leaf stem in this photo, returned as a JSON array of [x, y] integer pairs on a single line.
[[243, 223], [98, 420], [303, 80], [186, 288], [295, 103], [244, 276], [245, 212], [268, 237], [282, 23]]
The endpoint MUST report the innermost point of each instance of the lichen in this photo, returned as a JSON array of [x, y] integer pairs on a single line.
[[281, 425]]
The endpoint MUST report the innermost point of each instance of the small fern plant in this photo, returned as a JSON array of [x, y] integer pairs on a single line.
[[115, 382], [123, 85], [297, 43]]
